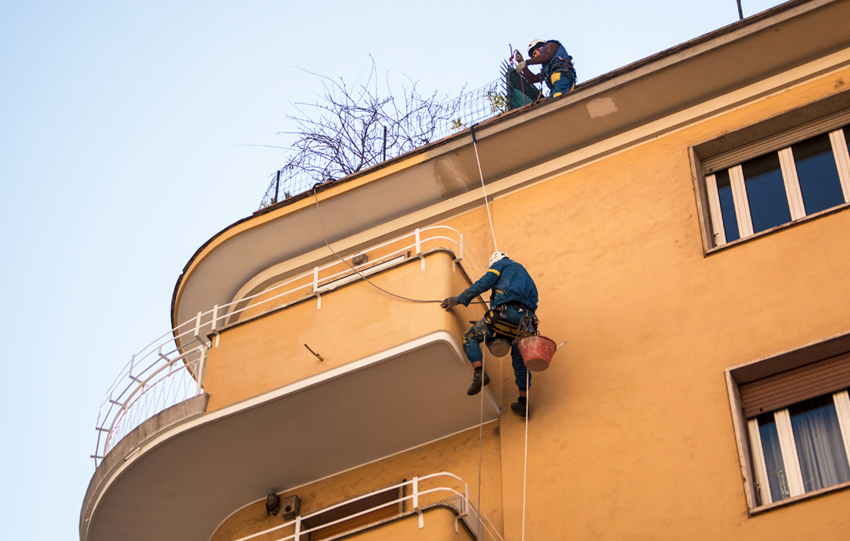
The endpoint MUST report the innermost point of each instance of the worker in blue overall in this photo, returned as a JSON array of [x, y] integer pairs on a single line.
[[513, 301], [557, 66]]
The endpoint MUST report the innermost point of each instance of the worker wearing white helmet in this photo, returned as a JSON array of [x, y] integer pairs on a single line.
[[513, 301], [557, 66]]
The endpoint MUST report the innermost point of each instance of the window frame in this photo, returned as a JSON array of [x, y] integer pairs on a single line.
[[772, 135], [750, 451], [791, 181], [788, 450]]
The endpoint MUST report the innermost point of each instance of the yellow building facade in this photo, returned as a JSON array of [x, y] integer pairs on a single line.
[[685, 221]]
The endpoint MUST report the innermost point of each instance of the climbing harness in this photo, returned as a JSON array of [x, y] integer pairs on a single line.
[[495, 320], [503, 333]]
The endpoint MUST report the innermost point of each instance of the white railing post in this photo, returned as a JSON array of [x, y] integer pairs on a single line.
[[465, 500], [130, 373], [297, 528], [316, 288], [202, 370], [416, 496], [198, 338], [419, 249], [214, 318]]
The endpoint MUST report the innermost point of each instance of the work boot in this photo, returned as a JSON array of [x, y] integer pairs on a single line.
[[520, 407], [479, 378]]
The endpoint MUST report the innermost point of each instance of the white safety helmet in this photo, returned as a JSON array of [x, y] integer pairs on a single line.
[[535, 43], [495, 257]]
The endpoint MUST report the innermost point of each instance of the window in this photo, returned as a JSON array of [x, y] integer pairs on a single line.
[[794, 425], [801, 448], [801, 178]]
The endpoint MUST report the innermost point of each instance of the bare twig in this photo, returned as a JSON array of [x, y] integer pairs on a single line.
[[343, 132]]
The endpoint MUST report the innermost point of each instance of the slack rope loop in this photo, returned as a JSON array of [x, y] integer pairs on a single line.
[[325, 236]]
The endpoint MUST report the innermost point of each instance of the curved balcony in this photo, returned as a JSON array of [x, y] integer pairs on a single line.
[[171, 368], [396, 386]]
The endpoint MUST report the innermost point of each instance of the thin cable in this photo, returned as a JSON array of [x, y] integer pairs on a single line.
[[525, 463], [481, 440], [483, 189], [325, 236]]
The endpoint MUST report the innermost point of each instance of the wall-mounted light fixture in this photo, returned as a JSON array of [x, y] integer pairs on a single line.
[[272, 504]]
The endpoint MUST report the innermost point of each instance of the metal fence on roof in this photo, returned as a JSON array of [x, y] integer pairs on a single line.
[[468, 109]]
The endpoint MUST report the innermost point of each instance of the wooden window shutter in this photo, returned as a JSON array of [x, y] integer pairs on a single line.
[[786, 388], [338, 513], [775, 142]]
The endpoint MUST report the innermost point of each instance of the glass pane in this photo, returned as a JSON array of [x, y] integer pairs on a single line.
[[727, 205], [766, 192], [773, 458], [820, 448], [818, 174]]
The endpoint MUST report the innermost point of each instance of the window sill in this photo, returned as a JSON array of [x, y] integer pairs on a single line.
[[790, 501], [782, 227]]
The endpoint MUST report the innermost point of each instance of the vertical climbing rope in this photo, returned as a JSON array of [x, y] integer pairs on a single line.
[[483, 352], [481, 439], [527, 375], [525, 461], [483, 189]]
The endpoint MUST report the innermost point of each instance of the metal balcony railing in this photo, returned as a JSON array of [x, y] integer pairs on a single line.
[[171, 368], [418, 498]]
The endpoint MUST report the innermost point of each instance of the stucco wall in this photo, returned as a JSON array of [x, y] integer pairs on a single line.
[[631, 434]]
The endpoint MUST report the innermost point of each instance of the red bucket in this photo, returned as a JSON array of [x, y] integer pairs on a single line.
[[537, 352]]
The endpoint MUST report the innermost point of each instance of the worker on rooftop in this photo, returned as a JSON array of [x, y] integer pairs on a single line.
[[557, 66], [513, 301]]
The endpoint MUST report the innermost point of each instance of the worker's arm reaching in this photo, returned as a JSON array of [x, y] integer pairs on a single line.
[[556, 66], [483, 284], [548, 53]]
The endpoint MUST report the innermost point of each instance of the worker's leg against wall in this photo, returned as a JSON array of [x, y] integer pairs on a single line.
[[520, 371], [472, 342]]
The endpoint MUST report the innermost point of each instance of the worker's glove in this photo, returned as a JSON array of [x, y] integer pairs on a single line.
[[517, 56], [448, 303], [520, 65]]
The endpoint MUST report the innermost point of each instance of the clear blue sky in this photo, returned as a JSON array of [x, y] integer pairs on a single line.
[[123, 133]]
